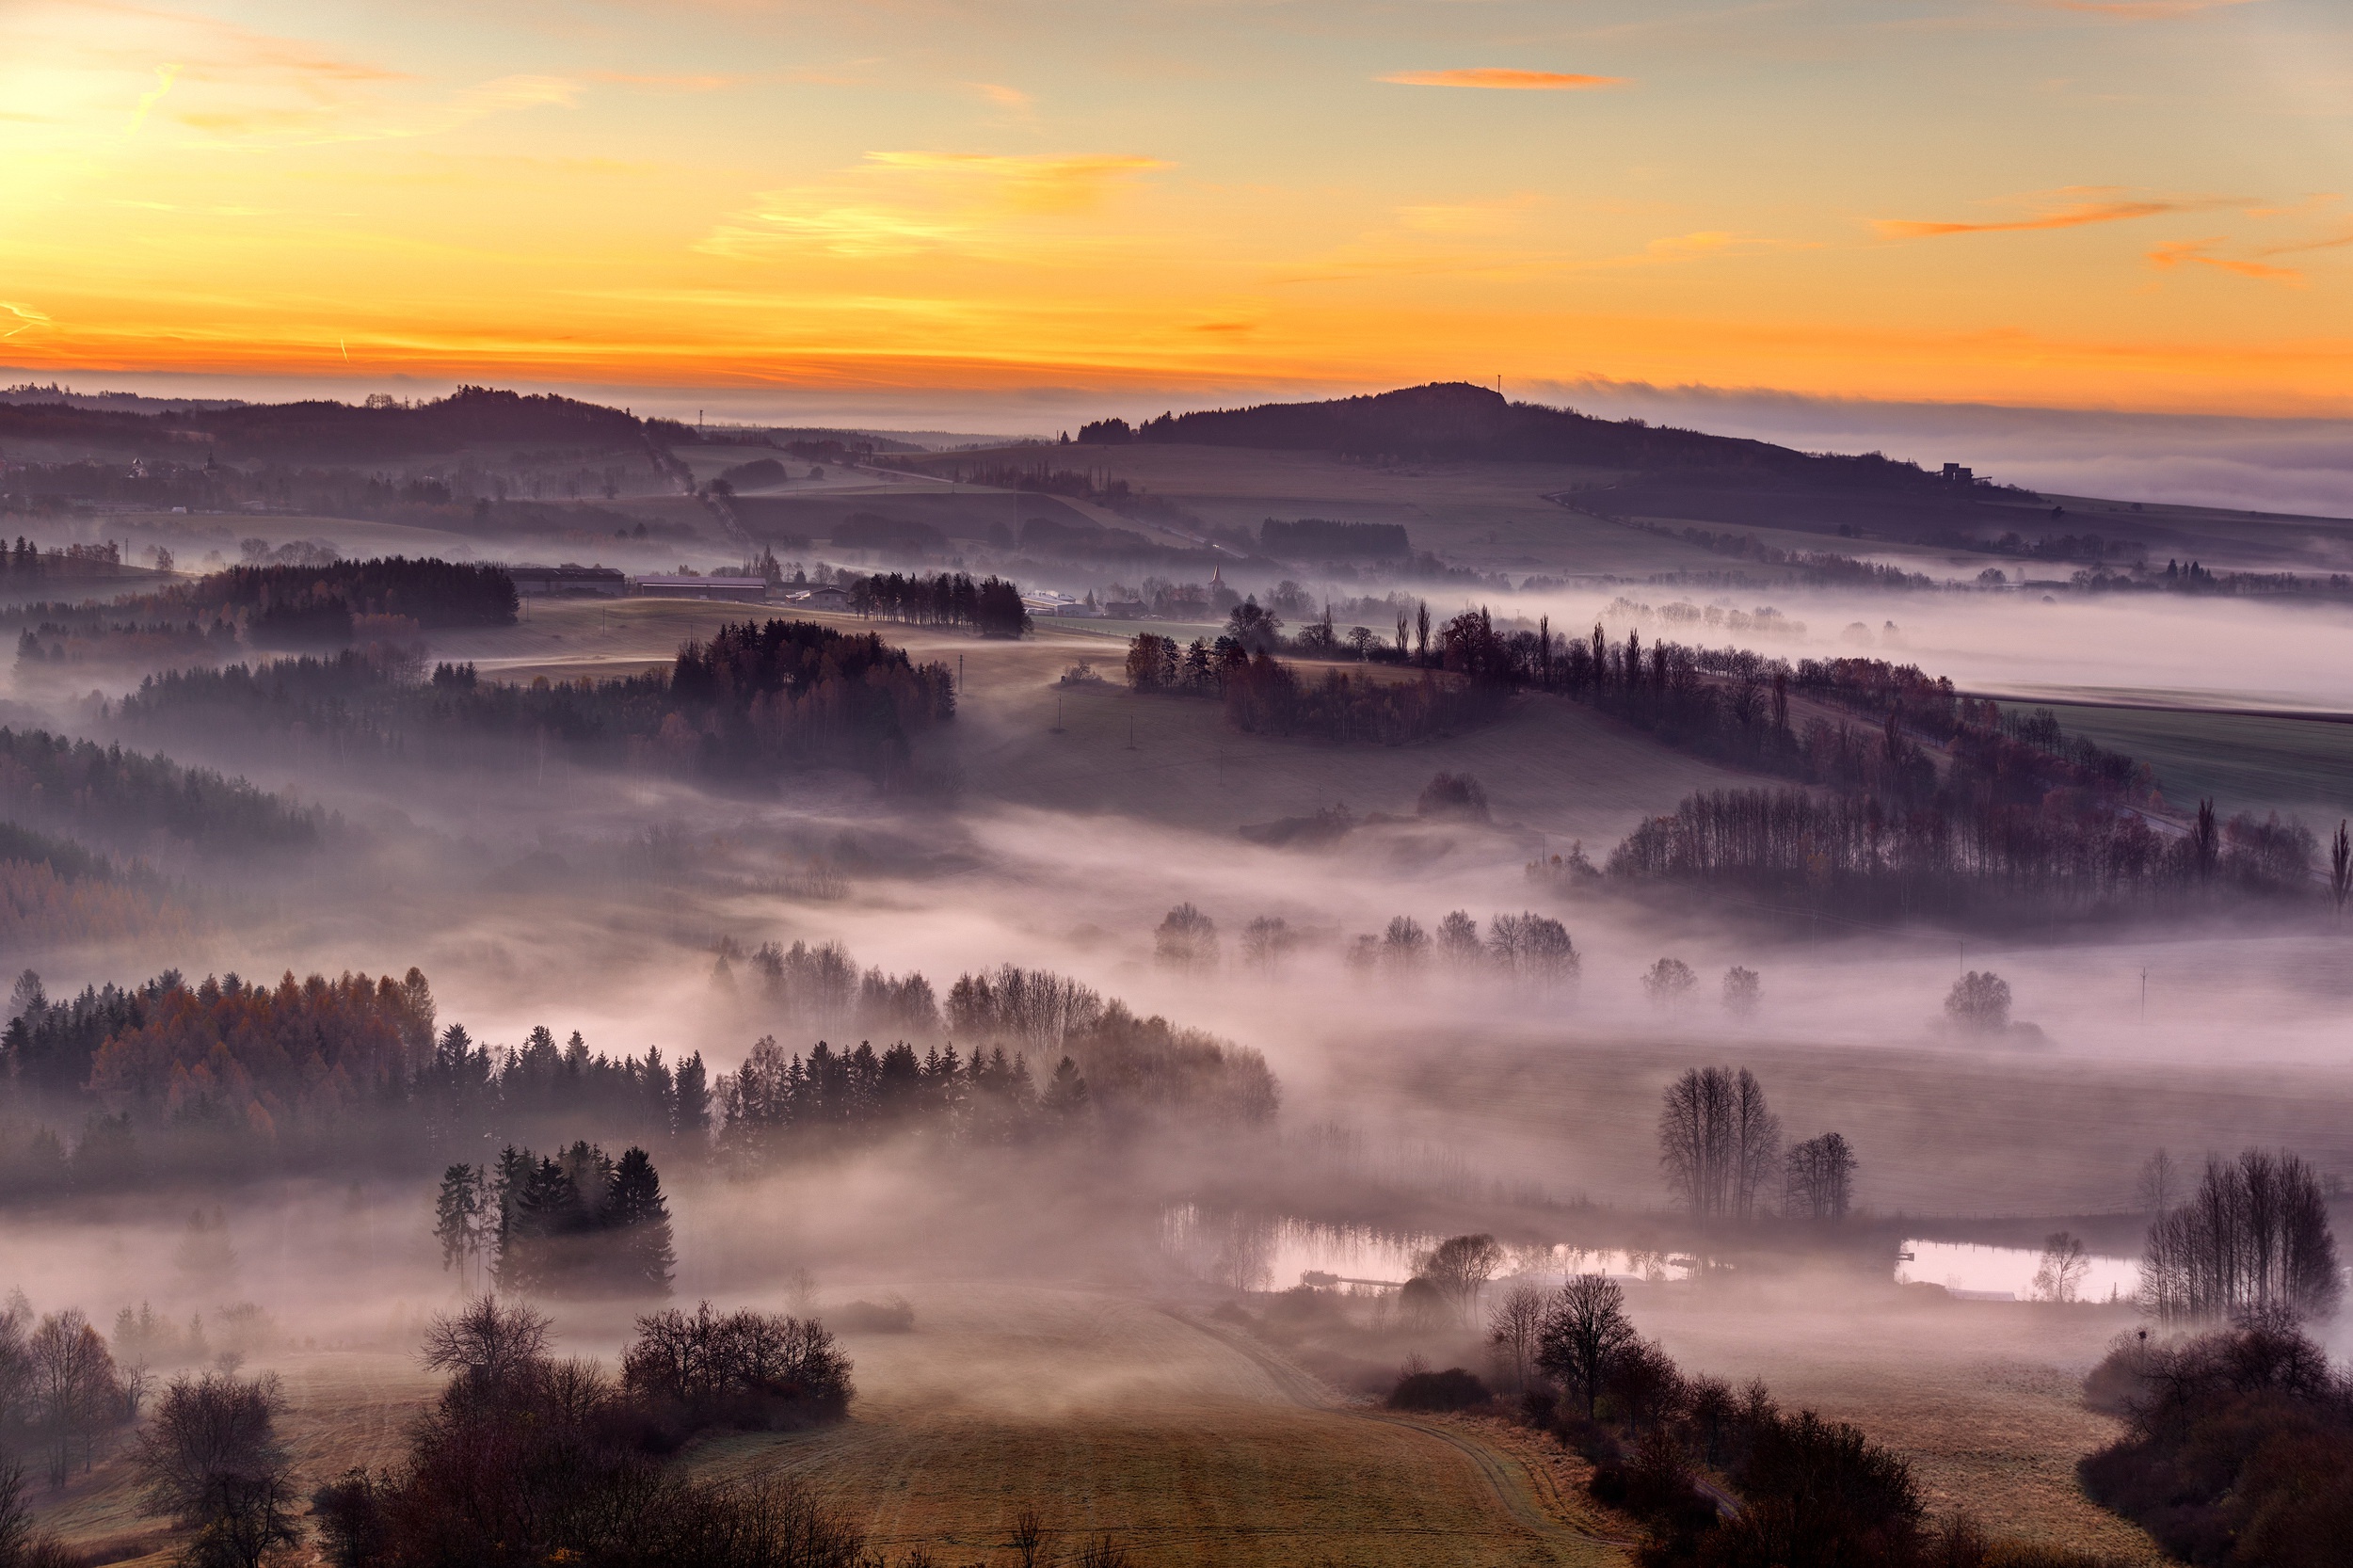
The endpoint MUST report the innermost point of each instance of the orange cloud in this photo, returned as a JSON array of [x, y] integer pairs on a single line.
[[2071, 217], [1502, 78], [2173, 253]]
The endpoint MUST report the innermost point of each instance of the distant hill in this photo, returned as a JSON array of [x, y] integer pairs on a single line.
[[324, 431], [1456, 420]]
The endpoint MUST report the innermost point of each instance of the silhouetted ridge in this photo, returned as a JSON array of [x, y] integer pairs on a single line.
[[1456, 420], [323, 430]]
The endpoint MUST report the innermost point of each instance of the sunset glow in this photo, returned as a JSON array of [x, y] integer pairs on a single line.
[[2130, 205]]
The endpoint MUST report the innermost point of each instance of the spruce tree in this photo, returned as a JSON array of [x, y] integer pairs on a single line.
[[640, 1259]]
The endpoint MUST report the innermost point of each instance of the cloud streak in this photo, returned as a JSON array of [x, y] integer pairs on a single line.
[[1499, 78], [2141, 10], [2175, 253], [2077, 216]]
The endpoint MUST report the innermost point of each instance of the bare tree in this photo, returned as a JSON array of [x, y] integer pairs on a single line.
[[2060, 1276], [1029, 1536], [1585, 1331], [1459, 1267], [1405, 944], [1667, 982], [212, 1459], [1717, 1142], [2159, 1185], [1187, 940], [2253, 1239], [1980, 1002], [487, 1340], [76, 1394], [1819, 1181], [1513, 1325], [1743, 992], [1458, 940]]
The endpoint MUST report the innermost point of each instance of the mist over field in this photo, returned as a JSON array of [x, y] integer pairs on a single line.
[[1102, 985]]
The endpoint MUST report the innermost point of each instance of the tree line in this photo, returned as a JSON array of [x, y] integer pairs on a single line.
[[2253, 1239], [1852, 852], [753, 699], [991, 607], [147, 802], [1120, 1065], [228, 1077], [1264, 695]]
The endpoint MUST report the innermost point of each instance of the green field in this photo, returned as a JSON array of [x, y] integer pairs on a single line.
[[2244, 763]]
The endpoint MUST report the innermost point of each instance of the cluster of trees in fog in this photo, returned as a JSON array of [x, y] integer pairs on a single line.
[[26, 562], [778, 1105], [147, 803], [227, 1078], [1722, 1152], [1852, 852], [576, 1223], [61, 1390], [1528, 947], [1264, 695], [992, 606], [1126, 1067], [754, 699], [2251, 1241], [310, 604]]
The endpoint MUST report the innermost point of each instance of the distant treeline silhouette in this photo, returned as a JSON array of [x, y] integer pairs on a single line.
[[224, 1079], [754, 699], [992, 606], [147, 803], [1264, 695], [1113, 1064], [575, 1222]]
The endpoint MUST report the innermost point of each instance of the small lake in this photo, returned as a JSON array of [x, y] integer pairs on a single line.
[[2007, 1273], [1277, 1252]]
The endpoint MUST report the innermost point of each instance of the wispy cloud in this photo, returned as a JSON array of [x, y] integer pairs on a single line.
[[25, 316], [1003, 97], [899, 203], [2076, 216], [164, 77], [2141, 10], [2174, 253], [335, 122], [1502, 78]]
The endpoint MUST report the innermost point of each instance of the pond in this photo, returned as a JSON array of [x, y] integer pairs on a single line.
[[1253, 1251], [1976, 1272]]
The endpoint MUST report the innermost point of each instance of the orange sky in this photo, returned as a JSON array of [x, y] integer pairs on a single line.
[[2126, 205]]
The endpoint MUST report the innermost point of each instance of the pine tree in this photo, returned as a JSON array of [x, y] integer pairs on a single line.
[[640, 1259]]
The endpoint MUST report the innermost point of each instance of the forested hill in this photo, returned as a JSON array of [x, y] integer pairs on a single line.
[[329, 431], [1456, 420]]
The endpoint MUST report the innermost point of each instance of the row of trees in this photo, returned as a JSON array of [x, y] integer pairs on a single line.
[[1720, 1146], [148, 803], [1133, 1066], [2253, 1239], [992, 606], [1850, 850], [573, 1224], [26, 562], [1264, 695], [754, 699], [226, 1077], [778, 1105]]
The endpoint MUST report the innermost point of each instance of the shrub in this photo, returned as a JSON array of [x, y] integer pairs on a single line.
[[1452, 1389]]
